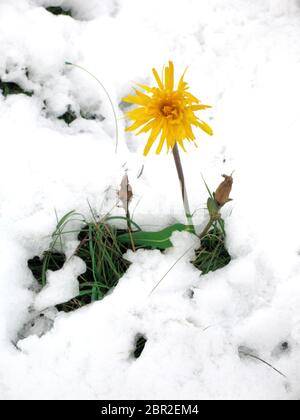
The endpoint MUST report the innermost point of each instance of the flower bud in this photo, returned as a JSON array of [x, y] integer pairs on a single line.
[[223, 191], [125, 194]]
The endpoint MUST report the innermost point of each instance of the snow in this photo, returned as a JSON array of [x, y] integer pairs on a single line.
[[243, 58], [53, 293]]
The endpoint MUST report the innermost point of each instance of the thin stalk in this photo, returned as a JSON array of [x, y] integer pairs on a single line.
[[130, 229], [263, 361], [170, 269], [207, 228], [185, 200], [108, 96]]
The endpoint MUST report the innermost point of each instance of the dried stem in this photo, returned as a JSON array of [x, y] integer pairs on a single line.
[[130, 229], [125, 195], [180, 173]]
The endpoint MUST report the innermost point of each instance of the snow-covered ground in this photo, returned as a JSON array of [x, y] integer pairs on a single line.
[[244, 59]]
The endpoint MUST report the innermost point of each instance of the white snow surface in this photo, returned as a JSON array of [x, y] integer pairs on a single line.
[[53, 293], [244, 59]]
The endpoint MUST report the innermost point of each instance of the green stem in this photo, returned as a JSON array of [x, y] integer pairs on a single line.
[[207, 228], [185, 200]]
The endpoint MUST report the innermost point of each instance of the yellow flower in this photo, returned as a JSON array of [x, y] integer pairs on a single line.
[[167, 111]]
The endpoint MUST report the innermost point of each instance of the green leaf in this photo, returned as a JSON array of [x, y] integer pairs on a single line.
[[155, 240], [213, 209], [207, 187]]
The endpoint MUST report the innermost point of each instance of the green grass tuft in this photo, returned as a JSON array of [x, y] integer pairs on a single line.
[[213, 254], [99, 248], [103, 254]]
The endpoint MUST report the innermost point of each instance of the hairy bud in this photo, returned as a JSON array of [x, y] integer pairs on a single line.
[[223, 191], [125, 194]]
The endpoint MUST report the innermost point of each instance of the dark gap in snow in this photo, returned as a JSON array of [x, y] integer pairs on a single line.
[[55, 261], [70, 116], [91, 117], [140, 342], [11, 88], [57, 11], [78, 12]]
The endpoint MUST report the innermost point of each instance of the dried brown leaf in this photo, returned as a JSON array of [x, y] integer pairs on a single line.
[[125, 193]]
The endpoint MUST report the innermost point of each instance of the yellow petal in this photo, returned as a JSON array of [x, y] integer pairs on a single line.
[[136, 125], [170, 136], [199, 107], [147, 127], [162, 140], [146, 88], [205, 127], [180, 142], [137, 113], [137, 100], [142, 95], [182, 84], [191, 98], [170, 76], [159, 82], [153, 137], [188, 131]]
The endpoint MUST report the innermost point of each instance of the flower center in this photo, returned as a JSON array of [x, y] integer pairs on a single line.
[[169, 110]]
